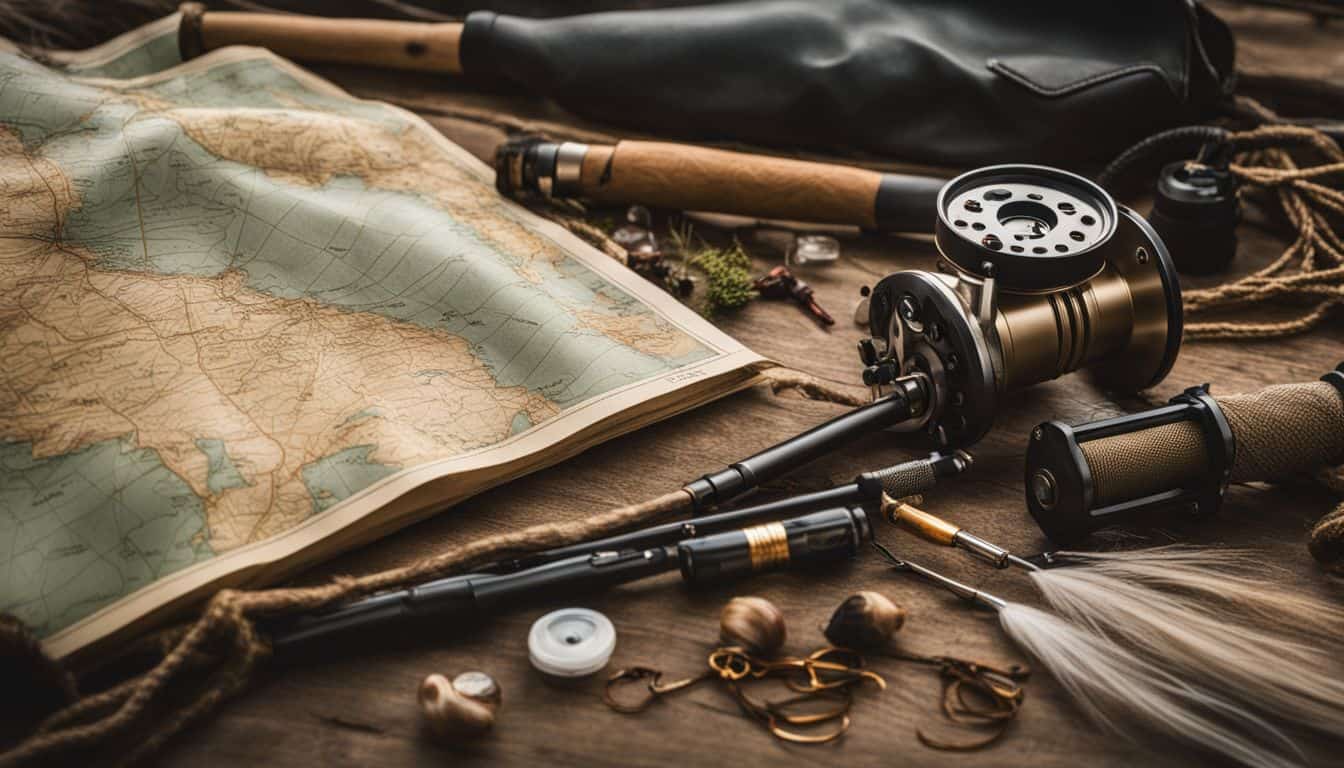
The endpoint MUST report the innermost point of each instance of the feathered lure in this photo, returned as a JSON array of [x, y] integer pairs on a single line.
[[1194, 642]]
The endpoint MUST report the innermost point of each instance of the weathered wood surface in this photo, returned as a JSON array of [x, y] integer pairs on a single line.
[[356, 706]]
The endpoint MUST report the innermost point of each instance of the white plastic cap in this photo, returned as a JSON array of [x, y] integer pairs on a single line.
[[571, 642]]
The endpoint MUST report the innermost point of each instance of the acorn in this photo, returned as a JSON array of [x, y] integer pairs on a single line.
[[865, 620], [462, 708], [754, 624]]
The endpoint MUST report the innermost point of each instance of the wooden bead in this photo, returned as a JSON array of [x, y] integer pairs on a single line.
[[865, 620], [754, 624]]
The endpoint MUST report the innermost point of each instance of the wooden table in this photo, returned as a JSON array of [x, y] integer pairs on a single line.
[[356, 705]]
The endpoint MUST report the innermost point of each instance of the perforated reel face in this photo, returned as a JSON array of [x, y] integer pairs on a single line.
[[1032, 228], [924, 327]]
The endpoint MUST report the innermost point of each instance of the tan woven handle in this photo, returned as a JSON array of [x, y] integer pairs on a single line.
[[685, 177], [431, 47], [1285, 430], [1279, 431]]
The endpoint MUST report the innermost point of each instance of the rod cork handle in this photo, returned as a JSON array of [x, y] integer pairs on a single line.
[[413, 45], [687, 177], [698, 178]]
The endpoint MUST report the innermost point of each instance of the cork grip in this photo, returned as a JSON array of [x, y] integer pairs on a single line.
[[370, 42], [922, 524], [696, 178], [1278, 431]]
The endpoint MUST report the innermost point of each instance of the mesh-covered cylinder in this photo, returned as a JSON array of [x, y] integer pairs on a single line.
[[1144, 462], [1285, 429], [1278, 431]]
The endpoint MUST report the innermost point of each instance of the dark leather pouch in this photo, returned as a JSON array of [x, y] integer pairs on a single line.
[[936, 82]]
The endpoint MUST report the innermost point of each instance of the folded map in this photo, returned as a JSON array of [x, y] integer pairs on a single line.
[[248, 321]]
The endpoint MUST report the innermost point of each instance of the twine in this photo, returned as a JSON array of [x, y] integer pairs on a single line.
[[1310, 271]]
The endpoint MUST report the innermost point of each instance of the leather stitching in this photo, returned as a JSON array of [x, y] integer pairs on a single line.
[[995, 65]]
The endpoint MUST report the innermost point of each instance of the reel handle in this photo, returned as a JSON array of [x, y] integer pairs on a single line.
[[413, 45], [686, 177]]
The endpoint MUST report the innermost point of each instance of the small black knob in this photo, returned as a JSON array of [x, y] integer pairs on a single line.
[[867, 352], [883, 373], [1195, 212]]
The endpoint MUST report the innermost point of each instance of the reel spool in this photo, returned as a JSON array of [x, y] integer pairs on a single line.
[[1042, 273], [1180, 456]]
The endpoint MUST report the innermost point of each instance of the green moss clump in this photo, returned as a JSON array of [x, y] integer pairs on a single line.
[[728, 278]]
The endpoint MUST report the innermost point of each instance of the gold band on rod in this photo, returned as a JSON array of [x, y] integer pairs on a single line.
[[768, 545]]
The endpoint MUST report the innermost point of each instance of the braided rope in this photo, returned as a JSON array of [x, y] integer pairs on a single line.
[[214, 658], [1317, 253]]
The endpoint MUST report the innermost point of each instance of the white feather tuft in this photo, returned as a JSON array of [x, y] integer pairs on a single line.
[[1205, 616], [1119, 691]]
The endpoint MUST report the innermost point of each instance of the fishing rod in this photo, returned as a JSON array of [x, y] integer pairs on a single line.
[[1041, 272], [897, 481], [688, 177], [824, 536], [836, 76], [580, 564]]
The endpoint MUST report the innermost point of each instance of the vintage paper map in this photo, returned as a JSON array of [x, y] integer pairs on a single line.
[[244, 317]]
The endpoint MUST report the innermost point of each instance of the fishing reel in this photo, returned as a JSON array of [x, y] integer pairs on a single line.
[[1178, 459], [1041, 274]]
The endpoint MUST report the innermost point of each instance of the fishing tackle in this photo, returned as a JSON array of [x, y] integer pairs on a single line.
[[939, 531], [828, 535], [781, 283], [1181, 457], [865, 620], [571, 644], [828, 673], [908, 478], [753, 623], [1121, 690], [1208, 615], [687, 177], [1196, 211], [868, 621], [1043, 273]]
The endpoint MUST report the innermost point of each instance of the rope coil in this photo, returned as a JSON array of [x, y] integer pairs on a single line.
[[1310, 271]]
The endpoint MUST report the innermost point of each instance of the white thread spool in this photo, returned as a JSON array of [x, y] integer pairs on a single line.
[[571, 643]]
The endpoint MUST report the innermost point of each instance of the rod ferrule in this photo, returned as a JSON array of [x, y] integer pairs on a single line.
[[988, 551]]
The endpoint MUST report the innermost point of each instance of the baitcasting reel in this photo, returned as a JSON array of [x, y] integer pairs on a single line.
[[1042, 273]]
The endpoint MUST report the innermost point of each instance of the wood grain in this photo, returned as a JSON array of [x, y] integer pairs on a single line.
[[698, 178], [355, 704], [423, 46]]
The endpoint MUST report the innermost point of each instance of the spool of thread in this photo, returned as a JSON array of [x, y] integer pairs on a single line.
[[571, 645]]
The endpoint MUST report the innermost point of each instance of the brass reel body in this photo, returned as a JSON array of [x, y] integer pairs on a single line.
[[977, 339]]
